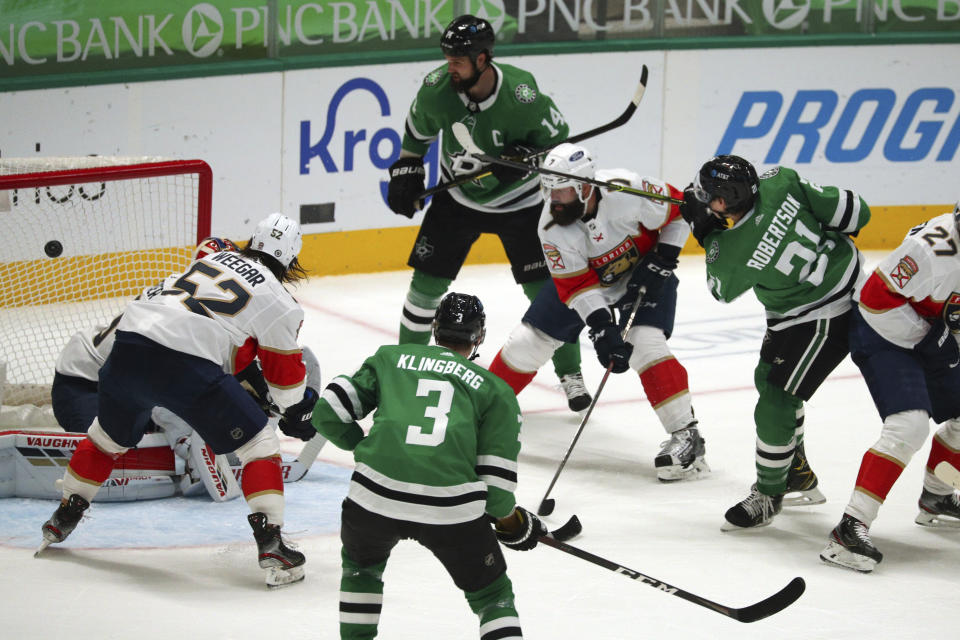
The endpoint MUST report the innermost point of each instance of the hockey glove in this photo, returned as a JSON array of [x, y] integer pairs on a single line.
[[518, 153], [251, 379], [611, 350], [651, 272], [939, 348], [521, 530], [406, 183], [295, 421], [702, 221]]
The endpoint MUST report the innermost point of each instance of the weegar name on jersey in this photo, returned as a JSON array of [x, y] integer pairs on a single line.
[[774, 234], [237, 264], [446, 367]]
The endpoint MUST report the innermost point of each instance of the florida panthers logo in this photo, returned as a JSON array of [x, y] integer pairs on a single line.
[[554, 259], [904, 271]]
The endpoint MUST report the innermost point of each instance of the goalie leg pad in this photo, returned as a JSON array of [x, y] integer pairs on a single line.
[[213, 471]]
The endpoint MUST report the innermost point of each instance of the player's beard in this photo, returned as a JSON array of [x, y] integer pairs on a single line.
[[566, 213], [465, 84]]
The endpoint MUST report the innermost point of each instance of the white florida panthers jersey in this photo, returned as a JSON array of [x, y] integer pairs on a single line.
[[228, 309], [591, 261], [917, 283], [86, 351]]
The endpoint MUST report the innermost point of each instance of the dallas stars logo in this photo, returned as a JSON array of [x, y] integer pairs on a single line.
[[525, 93]]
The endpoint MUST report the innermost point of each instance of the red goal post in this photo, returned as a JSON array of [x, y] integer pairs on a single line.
[[81, 236]]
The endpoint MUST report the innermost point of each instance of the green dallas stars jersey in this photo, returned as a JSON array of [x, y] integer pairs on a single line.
[[791, 249], [445, 437], [516, 112]]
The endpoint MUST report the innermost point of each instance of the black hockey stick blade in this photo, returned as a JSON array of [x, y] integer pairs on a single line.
[[546, 507], [613, 124], [568, 531], [757, 611]]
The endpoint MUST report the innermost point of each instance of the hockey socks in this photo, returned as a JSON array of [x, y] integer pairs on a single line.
[[263, 488], [421, 304], [361, 598], [88, 469], [776, 416], [665, 383], [518, 380], [495, 607]]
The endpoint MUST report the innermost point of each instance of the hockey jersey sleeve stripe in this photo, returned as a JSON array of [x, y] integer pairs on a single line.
[[341, 399], [496, 477], [847, 213], [497, 461], [877, 297], [411, 131]]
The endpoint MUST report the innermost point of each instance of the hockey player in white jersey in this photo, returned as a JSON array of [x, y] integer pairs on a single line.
[[903, 339], [602, 248], [176, 347]]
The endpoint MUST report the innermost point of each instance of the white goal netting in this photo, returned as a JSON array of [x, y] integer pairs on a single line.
[[80, 237]]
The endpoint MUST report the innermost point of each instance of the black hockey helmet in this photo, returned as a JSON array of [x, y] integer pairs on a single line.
[[956, 215], [729, 177], [468, 36], [460, 320]]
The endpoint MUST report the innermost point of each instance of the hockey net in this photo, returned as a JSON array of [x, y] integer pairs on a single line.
[[81, 236]]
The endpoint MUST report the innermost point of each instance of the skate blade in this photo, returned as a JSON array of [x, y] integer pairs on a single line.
[[675, 473], [838, 555], [278, 578], [43, 545], [729, 526], [806, 498], [936, 521]]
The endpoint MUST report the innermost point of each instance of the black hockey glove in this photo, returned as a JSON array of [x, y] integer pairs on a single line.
[[407, 178], [653, 270], [611, 350], [516, 152], [938, 348], [251, 379], [524, 538], [702, 221], [295, 421]]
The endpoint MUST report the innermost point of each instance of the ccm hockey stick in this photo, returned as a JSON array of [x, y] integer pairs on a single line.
[[757, 611], [613, 124], [948, 473], [547, 504], [462, 135]]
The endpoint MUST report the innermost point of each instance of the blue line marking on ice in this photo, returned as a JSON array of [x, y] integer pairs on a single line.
[[312, 508]]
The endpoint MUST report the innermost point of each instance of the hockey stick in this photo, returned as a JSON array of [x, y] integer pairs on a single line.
[[462, 134], [948, 473], [613, 124], [568, 530], [757, 611], [547, 504], [309, 453]]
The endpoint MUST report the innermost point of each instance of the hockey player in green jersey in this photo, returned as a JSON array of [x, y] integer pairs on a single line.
[[507, 115], [439, 463], [789, 242]]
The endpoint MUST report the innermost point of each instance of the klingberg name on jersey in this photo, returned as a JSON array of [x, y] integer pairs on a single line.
[[409, 362]]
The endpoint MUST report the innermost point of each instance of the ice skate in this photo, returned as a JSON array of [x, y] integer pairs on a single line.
[[681, 456], [850, 546], [756, 510], [578, 398], [63, 521], [802, 483], [284, 565], [939, 510]]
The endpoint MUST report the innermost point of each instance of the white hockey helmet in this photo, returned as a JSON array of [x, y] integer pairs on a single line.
[[567, 158], [278, 236]]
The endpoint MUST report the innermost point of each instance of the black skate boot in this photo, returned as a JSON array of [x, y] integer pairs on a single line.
[[756, 510], [284, 565], [939, 511], [850, 546], [682, 455], [803, 481], [63, 521], [578, 398]]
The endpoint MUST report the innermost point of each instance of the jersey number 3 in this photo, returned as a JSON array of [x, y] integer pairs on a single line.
[[439, 411]]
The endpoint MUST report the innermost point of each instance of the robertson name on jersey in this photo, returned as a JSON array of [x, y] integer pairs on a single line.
[[792, 249], [516, 111], [445, 437]]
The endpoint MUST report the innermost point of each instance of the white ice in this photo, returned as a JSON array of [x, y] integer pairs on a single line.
[[670, 532]]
